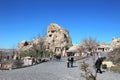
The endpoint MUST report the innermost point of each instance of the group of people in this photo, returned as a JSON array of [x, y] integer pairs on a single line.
[[70, 61], [55, 57]]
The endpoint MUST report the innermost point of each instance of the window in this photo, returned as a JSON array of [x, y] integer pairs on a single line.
[[65, 36]]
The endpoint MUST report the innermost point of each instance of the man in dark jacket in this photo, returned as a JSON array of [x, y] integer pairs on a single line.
[[72, 60], [68, 62], [98, 64]]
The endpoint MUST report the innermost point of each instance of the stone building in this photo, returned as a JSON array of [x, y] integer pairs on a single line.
[[7, 54], [103, 48]]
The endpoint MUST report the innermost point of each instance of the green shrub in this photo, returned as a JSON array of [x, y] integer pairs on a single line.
[[26, 53], [115, 69]]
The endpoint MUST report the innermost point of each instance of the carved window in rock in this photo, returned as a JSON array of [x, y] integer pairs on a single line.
[[52, 31], [65, 36], [50, 35], [66, 47], [26, 43], [118, 41]]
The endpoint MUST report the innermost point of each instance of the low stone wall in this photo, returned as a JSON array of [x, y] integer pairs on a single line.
[[108, 63], [6, 65]]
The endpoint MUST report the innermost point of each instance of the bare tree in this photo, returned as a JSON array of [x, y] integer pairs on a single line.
[[89, 43], [114, 56], [87, 72], [41, 43]]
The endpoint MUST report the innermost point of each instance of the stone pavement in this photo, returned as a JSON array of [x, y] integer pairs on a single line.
[[106, 75], [53, 70]]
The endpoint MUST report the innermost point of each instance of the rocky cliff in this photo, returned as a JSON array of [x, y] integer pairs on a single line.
[[57, 39], [115, 42]]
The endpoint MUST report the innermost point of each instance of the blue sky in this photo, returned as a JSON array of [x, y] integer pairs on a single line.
[[24, 19]]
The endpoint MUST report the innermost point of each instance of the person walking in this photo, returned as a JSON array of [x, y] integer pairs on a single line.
[[68, 62], [98, 64], [72, 60], [59, 57]]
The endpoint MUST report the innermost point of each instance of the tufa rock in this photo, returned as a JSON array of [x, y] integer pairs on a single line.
[[115, 42], [24, 45], [57, 39]]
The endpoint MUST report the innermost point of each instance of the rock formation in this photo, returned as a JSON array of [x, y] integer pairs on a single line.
[[24, 45], [115, 42], [58, 40]]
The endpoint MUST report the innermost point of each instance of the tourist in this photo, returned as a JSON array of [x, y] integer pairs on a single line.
[[51, 57], [72, 60], [68, 62], [98, 64], [59, 57]]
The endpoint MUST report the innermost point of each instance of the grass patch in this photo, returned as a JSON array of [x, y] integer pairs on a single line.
[[115, 69]]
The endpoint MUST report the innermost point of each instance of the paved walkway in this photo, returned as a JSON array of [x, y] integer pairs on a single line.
[[53, 70]]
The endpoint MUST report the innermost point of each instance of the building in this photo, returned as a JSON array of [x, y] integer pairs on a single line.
[[6, 58]]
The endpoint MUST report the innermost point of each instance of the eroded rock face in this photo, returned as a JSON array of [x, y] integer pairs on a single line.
[[24, 45], [57, 39], [32, 46], [115, 42]]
